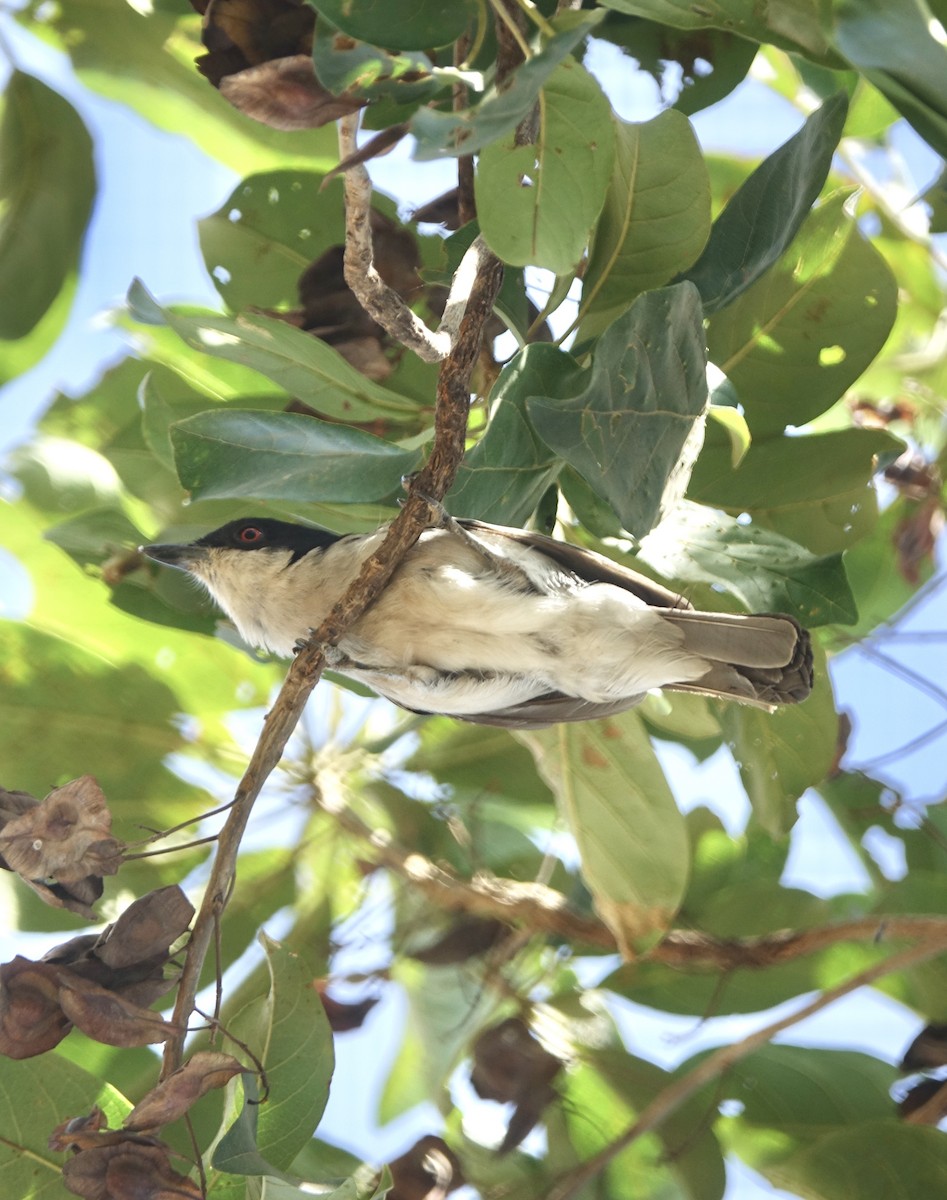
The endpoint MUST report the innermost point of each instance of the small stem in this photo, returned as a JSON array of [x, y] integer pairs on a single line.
[[720, 1061]]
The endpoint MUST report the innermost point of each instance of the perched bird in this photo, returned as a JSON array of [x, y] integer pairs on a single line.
[[494, 625]]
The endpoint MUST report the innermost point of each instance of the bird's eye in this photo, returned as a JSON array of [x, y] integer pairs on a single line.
[[250, 535]]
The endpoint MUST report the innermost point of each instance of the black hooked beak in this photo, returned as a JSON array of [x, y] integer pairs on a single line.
[[182, 557]]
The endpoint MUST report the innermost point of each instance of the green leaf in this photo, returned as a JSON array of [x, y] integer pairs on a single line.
[[691, 1152], [537, 203], [827, 307], [893, 44], [767, 211], [601, 1097], [285, 456], [434, 1033], [359, 69], [504, 476], [789, 24], [293, 1039], [656, 218], [36, 1095], [265, 234], [618, 806], [802, 1095], [873, 1160], [401, 23], [626, 422], [443, 134], [306, 367], [764, 570], [47, 185], [815, 490], [781, 754], [16, 358]]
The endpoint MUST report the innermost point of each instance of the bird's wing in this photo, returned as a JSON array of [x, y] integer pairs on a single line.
[[550, 710], [585, 564]]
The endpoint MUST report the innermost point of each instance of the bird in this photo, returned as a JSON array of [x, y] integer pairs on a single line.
[[493, 625]]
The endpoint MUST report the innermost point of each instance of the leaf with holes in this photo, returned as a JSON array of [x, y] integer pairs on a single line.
[[816, 490], [537, 203], [764, 570], [826, 307]]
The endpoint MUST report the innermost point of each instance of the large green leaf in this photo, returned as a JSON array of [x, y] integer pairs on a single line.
[[285, 456], [815, 490], [36, 1095], [826, 308], [629, 415], [504, 476], [766, 213], [802, 1094], [446, 134], [619, 808], [537, 203], [47, 185], [781, 754], [305, 366], [873, 1160], [894, 43], [764, 570], [289, 1032], [656, 218], [265, 234], [405, 24], [790, 24]]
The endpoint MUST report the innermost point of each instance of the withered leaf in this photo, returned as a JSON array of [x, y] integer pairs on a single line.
[[63, 845], [342, 1016], [928, 1050], [925, 1103], [284, 93], [31, 1017], [465, 939], [147, 928], [78, 1131], [107, 1017], [132, 1169], [509, 1065], [428, 1171], [172, 1098]]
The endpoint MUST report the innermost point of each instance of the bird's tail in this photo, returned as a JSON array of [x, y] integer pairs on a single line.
[[763, 660]]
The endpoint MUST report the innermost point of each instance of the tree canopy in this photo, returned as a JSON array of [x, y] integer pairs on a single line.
[[727, 371]]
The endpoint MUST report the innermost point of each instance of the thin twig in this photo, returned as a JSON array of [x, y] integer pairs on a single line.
[[450, 424], [720, 1061]]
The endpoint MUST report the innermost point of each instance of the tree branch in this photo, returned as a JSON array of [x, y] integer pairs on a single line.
[[382, 303], [434, 480], [542, 909], [720, 1061]]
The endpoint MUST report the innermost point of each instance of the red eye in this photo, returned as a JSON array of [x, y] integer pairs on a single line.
[[250, 535]]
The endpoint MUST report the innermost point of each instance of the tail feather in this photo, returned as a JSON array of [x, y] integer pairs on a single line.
[[763, 660]]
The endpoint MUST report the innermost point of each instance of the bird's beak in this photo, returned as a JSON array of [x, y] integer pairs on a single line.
[[185, 558]]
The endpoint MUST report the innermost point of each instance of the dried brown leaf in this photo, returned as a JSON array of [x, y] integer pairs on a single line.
[[171, 1099]]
